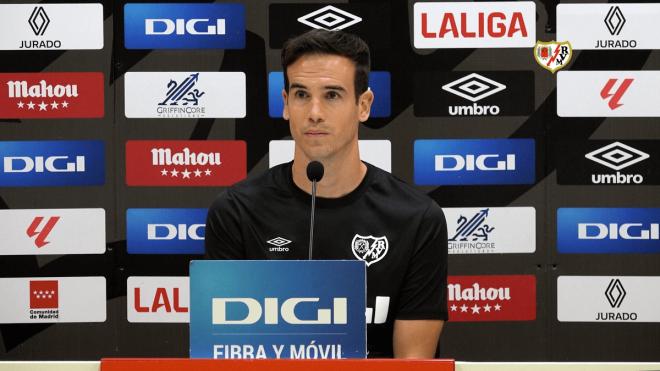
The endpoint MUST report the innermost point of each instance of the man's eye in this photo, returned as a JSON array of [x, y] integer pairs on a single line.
[[300, 94], [332, 95]]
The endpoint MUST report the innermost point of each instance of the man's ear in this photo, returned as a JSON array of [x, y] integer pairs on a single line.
[[285, 110], [364, 103]]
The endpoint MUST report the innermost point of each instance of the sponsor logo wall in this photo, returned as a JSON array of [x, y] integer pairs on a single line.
[[51, 26], [191, 94]]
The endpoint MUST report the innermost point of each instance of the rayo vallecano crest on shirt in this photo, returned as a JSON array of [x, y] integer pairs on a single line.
[[369, 248]]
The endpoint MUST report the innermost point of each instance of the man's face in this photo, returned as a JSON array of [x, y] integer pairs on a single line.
[[321, 107]]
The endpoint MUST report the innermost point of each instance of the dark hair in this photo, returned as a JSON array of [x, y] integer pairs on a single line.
[[340, 43]]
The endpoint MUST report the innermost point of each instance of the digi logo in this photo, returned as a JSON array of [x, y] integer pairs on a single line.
[[44, 295], [182, 232], [184, 26], [271, 311], [474, 161]]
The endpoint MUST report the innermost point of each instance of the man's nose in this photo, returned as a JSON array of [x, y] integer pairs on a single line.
[[316, 110]]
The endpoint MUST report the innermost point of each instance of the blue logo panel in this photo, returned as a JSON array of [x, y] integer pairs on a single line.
[[277, 309], [608, 230], [184, 26], [474, 161], [52, 163], [379, 83], [165, 231]]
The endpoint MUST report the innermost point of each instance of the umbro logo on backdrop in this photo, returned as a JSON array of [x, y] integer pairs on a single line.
[[629, 162], [370, 22], [330, 18], [483, 93]]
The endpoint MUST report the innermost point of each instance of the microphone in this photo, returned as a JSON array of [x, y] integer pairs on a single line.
[[314, 174]]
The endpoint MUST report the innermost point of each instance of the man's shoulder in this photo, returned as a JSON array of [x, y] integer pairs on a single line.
[[258, 187], [398, 190]]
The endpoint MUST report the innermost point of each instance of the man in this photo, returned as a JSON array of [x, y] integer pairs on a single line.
[[326, 97]]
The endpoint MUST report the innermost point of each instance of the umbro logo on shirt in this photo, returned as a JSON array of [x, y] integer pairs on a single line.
[[278, 244]]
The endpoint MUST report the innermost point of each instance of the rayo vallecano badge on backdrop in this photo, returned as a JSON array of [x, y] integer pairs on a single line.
[[553, 55]]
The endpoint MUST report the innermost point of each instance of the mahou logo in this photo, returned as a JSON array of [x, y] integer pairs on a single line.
[[51, 95], [491, 298], [185, 163]]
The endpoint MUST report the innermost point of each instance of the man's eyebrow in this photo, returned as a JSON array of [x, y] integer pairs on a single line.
[[334, 87], [297, 86]]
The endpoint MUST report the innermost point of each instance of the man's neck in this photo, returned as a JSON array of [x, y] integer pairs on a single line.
[[340, 176]]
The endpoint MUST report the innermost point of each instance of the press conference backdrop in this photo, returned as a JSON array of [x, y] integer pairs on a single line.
[[121, 122]]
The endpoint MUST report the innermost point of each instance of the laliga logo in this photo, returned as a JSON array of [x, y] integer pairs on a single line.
[[52, 164], [614, 231], [183, 27], [472, 162], [180, 232], [271, 311]]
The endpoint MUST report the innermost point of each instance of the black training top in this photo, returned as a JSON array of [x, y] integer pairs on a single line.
[[399, 231]]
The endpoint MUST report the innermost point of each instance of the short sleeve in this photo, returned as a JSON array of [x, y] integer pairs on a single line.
[[223, 233], [424, 291]]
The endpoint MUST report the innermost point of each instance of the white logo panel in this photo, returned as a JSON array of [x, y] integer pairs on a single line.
[[158, 299], [491, 230], [184, 94], [51, 26], [68, 299], [52, 231], [608, 299], [507, 24], [375, 152], [608, 93], [608, 26]]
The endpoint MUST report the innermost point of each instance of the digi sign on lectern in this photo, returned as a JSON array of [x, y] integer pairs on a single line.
[[277, 309]]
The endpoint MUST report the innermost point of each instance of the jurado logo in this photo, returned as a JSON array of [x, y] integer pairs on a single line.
[[39, 22], [614, 22]]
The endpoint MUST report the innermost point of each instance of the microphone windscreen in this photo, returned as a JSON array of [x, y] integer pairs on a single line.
[[314, 171]]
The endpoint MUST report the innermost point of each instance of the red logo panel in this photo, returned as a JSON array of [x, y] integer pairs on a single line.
[[491, 298], [44, 295], [185, 163], [51, 95]]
